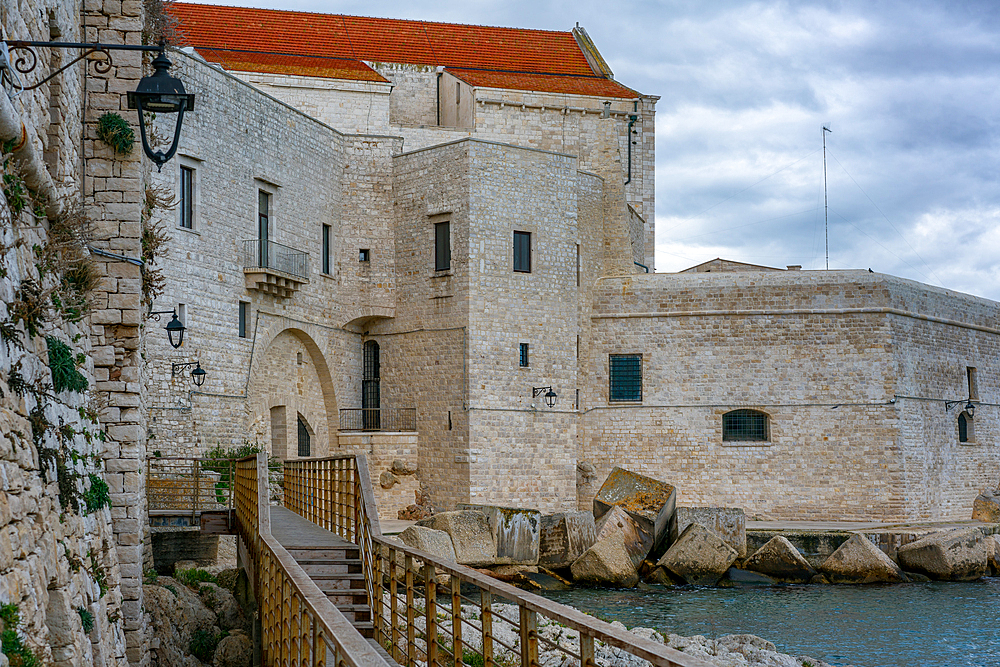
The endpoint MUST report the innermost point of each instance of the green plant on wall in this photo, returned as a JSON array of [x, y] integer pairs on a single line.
[[98, 495], [65, 375], [115, 131], [18, 655]]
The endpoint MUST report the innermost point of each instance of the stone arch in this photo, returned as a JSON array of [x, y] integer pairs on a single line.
[[261, 400]]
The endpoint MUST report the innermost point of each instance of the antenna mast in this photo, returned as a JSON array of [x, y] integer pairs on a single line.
[[826, 204]]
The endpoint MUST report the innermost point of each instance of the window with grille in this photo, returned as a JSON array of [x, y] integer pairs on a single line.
[[326, 249], [522, 252], [625, 372], [187, 198], [523, 356], [745, 425], [304, 439], [244, 319], [442, 246], [371, 393]]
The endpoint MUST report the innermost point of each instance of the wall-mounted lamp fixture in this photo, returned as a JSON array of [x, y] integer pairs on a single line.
[[198, 375], [970, 408], [546, 393], [158, 93], [175, 328]]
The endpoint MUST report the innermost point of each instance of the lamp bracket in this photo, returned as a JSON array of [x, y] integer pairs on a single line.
[[948, 405], [27, 60], [538, 391], [176, 368], [155, 314]]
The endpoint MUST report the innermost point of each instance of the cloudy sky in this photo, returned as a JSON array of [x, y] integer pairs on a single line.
[[910, 88]]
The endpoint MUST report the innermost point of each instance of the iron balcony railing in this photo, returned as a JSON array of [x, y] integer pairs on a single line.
[[378, 419], [259, 254]]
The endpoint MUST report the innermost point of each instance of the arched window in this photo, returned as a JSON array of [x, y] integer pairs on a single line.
[[304, 437], [966, 428], [745, 426]]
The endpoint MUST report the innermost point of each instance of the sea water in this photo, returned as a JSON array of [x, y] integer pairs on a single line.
[[939, 624]]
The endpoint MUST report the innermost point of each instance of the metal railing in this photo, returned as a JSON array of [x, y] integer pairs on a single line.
[[299, 624], [276, 257], [180, 484], [499, 625], [378, 419]]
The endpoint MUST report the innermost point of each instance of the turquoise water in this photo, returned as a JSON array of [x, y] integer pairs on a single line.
[[908, 625]]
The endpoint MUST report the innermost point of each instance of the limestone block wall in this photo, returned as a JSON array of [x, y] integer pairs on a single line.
[[349, 106], [413, 100], [381, 450], [316, 176]]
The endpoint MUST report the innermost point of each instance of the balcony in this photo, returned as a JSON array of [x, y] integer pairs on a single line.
[[273, 268], [375, 419]]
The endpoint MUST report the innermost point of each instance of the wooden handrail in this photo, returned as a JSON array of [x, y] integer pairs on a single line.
[[382, 560]]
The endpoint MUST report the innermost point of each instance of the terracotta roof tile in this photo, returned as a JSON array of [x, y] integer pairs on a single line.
[[525, 59], [573, 85]]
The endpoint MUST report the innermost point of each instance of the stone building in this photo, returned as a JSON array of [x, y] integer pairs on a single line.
[[453, 227]]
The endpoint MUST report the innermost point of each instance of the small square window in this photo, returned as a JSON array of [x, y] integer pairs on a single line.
[[442, 246], [522, 252], [364, 255], [625, 377], [523, 356], [244, 318]]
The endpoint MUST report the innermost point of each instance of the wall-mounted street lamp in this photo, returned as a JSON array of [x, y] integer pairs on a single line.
[[546, 393], [175, 328], [970, 409], [198, 375], [158, 93]]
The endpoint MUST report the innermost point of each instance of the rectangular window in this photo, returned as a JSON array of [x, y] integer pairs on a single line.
[[263, 222], [523, 357], [625, 377], [244, 318], [458, 93], [187, 198], [970, 373], [364, 255], [577, 264], [182, 313], [442, 246], [522, 252], [326, 249]]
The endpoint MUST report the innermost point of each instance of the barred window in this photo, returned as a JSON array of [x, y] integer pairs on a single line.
[[523, 355], [966, 428], [625, 377], [304, 437], [745, 425], [522, 252]]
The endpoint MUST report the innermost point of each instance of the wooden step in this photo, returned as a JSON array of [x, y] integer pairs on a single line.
[[355, 613], [365, 628], [329, 567], [348, 596], [330, 583], [381, 651], [333, 553]]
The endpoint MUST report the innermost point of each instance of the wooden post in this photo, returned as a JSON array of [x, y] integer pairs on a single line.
[[587, 650], [529, 637], [197, 491], [430, 614], [411, 644], [486, 613], [263, 505], [456, 621], [393, 613]]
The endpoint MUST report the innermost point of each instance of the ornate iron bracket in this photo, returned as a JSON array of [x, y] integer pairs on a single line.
[[27, 60]]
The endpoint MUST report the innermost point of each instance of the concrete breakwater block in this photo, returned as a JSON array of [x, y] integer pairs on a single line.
[[606, 563], [649, 501], [858, 561], [952, 555], [729, 523], [638, 542], [470, 535], [699, 556], [435, 542], [564, 537], [781, 561], [516, 532]]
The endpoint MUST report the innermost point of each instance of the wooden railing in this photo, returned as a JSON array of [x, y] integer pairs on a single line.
[[500, 626], [299, 625], [177, 484]]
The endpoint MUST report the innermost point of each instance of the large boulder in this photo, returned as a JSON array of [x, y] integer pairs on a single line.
[[649, 501], [564, 537], [177, 613], [235, 650], [434, 542], [637, 541], [858, 561], [780, 560], [986, 507], [699, 556], [470, 535], [951, 555], [729, 523], [606, 563], [228, 613], [993, 547], [515, 531]]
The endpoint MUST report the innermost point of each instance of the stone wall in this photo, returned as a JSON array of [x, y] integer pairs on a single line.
[[830, 358]]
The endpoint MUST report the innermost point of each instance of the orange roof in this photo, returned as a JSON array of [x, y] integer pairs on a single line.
[[550, 83], [297, 43]]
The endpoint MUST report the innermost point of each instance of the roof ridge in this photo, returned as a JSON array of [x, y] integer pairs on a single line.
[[377, 18]]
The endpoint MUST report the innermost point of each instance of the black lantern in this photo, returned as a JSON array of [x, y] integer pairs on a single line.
[[547, 394], [970, 409], [175, 328], [198, 375], [160, 93]]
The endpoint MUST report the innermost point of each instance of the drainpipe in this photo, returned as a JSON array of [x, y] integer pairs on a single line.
[[26, 158], [440, 71], [631, 121]]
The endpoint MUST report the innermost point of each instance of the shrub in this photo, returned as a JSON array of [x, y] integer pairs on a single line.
[[203, 644], [18, 655], [194, 578], [87, 619], [98, 495], [65, 375], [115, 131]]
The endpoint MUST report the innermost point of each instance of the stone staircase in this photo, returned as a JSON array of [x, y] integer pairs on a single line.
[[337, 572]]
